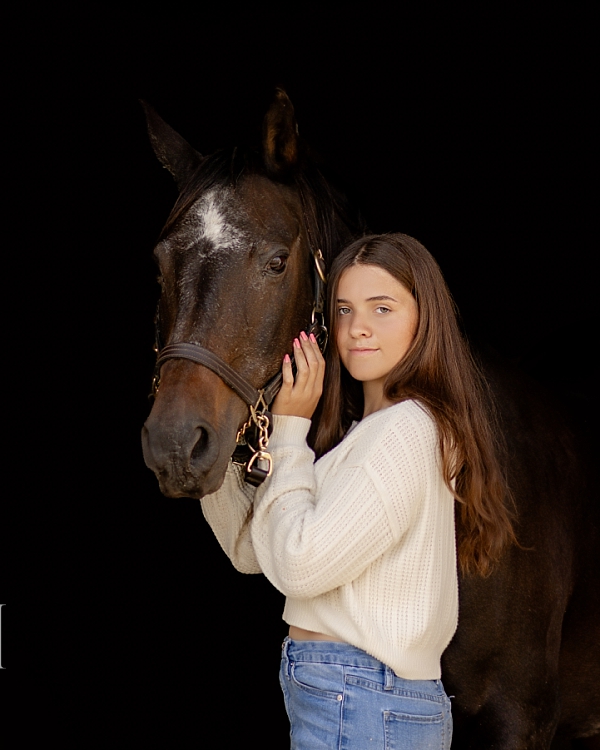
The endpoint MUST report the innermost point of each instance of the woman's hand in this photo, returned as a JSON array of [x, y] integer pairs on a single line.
[[299, 398]]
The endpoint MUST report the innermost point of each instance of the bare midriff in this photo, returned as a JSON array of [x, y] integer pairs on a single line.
[[299, 634]]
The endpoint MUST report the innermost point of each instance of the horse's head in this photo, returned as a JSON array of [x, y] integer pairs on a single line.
[[235, 270]]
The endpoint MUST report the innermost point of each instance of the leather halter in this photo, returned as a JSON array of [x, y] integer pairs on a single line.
[[253, 437]]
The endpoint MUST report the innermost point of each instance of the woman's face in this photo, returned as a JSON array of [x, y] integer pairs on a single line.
[[377, 321]]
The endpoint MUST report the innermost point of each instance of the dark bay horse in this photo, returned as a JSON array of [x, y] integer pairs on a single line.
[[236, 271]]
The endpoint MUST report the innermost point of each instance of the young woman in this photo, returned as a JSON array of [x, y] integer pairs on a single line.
[[362, 542]]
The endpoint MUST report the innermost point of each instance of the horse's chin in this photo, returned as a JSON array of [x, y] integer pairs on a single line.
[[176, 484]]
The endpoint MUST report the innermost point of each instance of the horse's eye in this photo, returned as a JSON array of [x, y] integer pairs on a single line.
[[277, 264]]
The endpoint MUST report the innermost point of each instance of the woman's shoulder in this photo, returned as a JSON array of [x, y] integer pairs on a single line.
[[405, 415], [407, 425]]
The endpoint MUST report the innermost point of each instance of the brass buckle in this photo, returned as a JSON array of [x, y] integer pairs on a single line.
[[154, 387], [319, 330], [320, 264]]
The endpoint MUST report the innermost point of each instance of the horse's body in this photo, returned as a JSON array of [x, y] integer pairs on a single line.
[[235, 262]]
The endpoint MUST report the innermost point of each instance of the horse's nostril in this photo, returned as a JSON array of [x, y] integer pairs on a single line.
[[199, 450]]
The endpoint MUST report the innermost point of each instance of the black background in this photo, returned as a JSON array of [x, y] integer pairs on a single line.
[[473, 133]]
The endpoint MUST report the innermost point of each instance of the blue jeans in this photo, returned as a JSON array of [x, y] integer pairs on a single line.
[[337, 696]]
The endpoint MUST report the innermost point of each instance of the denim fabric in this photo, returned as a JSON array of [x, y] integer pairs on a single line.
[[337, 696]]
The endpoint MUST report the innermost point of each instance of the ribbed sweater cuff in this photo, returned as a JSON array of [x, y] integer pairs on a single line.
[[289, 431]]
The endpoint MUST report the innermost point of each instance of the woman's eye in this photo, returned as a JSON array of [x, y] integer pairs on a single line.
[[382, 309], [343, 310], [277, 264]]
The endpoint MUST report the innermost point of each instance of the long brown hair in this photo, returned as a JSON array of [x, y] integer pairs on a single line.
[[439, 371]]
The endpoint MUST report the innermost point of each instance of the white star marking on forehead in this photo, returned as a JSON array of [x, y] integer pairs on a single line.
[[211, 213]]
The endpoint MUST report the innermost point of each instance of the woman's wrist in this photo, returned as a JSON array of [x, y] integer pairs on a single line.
[[289, 430]]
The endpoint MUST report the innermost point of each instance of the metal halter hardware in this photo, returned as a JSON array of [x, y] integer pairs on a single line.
[[253, 437]]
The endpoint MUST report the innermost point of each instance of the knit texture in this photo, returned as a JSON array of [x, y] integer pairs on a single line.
[[362, 542]]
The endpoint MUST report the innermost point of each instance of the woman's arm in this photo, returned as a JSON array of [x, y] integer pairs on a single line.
[[367, 502], [228, 512]]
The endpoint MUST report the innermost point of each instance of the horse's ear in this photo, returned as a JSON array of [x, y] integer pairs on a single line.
[[173, 151], [280, 136]]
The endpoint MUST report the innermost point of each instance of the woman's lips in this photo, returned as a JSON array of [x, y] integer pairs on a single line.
[[359, 352]]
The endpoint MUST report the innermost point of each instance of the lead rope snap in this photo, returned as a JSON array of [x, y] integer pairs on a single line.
[[260, 465]]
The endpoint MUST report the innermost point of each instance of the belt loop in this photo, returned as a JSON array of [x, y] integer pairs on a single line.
[[284, 653], [389, 678]]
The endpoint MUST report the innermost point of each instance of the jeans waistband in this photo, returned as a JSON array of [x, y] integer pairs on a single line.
[[334, 652]]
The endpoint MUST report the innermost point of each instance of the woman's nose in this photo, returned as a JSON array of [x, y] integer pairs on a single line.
[[359, 327]]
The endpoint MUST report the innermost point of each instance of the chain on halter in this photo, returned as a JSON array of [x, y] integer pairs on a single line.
[[260, 465]]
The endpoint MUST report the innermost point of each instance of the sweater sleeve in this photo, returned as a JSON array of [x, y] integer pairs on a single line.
[[228, 511], [310, 541]]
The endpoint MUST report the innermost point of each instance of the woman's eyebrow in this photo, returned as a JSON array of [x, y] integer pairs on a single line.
[[379, 298]]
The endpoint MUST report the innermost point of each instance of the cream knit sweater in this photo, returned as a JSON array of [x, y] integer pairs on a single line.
[[361, 542]]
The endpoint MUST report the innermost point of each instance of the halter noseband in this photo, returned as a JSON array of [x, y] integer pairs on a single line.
[[201, 356], [253, 437]]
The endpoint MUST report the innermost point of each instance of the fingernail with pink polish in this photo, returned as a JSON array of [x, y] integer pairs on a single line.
[[304, 336], [296, 343], [312, 338], [287, 358]]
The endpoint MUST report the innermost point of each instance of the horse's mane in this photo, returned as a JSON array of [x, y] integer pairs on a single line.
[[331, 220]]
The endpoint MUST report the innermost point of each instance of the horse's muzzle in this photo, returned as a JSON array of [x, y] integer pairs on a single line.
[[184, 457]]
